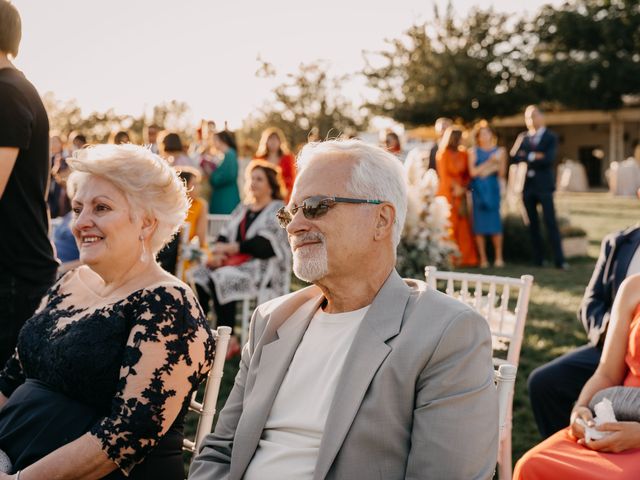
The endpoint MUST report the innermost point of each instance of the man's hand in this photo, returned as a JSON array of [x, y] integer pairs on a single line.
[[624, 436]]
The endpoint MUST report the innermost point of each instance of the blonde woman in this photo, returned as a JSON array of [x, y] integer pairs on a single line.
[[105, 369]]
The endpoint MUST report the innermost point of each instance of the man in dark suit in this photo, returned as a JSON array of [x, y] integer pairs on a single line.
[[537, 147], [554, 387]]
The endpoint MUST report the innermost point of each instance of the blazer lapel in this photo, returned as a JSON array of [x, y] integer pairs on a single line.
[[275, 358], [627, 245], [368, 350]]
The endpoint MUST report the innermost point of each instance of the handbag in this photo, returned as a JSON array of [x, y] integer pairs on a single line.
[[235, 259]]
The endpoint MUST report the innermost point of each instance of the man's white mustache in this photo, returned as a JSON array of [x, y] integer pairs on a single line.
[[306, 238]]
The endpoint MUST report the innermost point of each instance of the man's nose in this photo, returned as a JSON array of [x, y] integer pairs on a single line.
[[298, 223]]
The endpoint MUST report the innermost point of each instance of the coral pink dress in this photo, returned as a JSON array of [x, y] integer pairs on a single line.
[[559, 456]]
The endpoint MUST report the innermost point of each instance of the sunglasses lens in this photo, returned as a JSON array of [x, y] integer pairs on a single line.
[[284, 217], [315, 207]]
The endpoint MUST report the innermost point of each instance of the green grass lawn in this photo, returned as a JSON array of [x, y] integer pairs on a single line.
[[552, 327]]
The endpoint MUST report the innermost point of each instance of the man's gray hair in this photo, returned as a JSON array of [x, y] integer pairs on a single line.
[[376, 175]]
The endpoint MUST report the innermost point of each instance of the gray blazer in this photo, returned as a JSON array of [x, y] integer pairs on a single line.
[[415, 399]]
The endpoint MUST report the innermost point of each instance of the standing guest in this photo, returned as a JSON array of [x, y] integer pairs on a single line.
[[151, 137], [225, 194], [250, 245], [27, 263], [363, 374], [392, 144], [554, 387], [120, 137], [273, 147], [537, 147], [440, 127], [172, 150], [488, 166], [569, 453], [104, 371], [57, 199], [453, 170], [78, 141]]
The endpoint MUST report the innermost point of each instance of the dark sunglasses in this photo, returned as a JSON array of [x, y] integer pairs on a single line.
[[316, 206]]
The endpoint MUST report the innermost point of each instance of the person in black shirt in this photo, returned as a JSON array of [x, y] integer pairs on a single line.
[[27, 263]]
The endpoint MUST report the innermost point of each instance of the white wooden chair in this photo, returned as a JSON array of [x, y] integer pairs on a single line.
[[214, 225], [491, 296], [207, 409]]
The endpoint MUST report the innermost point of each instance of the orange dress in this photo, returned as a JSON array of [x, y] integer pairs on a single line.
[[193, 215], [453, 166], [559, 456]]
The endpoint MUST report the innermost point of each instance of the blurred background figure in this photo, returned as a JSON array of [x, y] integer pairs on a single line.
[[225, 195], [57, 199], [392, 144], [27, 264], [440, 127], [273, 148], [488, 166], [151, 137], [66, 248], [452, 161], [77, 141], [172, 150], [250, 244], [120, 137]]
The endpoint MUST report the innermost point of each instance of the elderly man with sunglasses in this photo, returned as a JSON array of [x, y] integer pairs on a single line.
[[362, 375]]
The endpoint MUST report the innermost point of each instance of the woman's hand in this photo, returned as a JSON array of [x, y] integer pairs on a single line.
[[577, 428], [222, 248], [214, 261], [623, 436]]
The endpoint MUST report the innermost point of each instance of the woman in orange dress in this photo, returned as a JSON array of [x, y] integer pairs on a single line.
[[616, 456], [452, 165], [274, 149]]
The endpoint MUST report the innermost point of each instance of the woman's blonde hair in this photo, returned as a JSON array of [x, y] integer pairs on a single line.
[[150, 185], [263, 152]]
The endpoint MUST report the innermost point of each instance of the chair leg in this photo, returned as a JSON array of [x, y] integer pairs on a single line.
[[505, 470]]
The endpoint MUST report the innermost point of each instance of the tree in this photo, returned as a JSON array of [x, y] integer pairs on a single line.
[[309, 98], [588, 53], [468, 68]]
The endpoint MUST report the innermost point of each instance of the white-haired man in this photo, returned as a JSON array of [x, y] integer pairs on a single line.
[[363, 374]]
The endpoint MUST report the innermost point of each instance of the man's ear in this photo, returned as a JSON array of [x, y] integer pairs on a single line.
[[384, 221]]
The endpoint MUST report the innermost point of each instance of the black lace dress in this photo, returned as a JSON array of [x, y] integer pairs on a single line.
[[122, 370]]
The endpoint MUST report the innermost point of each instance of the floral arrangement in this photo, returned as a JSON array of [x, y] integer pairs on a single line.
[[425, 239]]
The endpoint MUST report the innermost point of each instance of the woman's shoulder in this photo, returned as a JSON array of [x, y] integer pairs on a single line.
[[630, 289]]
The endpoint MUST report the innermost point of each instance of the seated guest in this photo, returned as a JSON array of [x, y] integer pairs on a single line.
[[273, 148], [197, 214], [554, 387], [104, 371], [250, 245], [568, 453], [363, 374], [172, 150]]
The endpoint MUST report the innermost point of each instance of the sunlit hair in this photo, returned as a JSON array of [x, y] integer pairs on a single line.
[[274, 179], [451, 139], [376, 174], [478, 127], [263, 151], [10, 28], [120, 137], [150, 185]]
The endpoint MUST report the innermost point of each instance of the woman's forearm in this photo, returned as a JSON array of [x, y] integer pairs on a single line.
[[82, 459], [596, 383]]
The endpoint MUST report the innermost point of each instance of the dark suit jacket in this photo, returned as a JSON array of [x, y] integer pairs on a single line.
[[540, 176], [611, 269]]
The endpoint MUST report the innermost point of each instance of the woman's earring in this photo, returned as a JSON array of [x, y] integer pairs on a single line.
[[143, 255]]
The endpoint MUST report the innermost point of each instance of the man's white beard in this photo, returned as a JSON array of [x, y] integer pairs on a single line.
[[311, 263]]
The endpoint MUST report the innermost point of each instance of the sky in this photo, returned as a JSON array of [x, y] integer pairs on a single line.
[[132, 54]]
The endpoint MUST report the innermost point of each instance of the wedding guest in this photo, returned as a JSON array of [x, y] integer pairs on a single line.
[[151, 137], [120, 137], [224, 178], [568, 453], [57, 199], [452, 162], [250, 245], [488, 166], [172, 150], [27, 264], [362, 375], [104, 371], [273, 147], [537, 147]]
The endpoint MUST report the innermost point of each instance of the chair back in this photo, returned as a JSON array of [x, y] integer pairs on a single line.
[[215, 223], [492, 297], [207, 409]]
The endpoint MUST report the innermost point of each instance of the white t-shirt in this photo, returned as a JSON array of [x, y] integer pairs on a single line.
[[291, 437]]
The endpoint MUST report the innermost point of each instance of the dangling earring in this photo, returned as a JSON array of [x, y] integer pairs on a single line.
[[143, 255]]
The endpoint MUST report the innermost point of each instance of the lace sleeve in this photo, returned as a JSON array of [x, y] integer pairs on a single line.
[[11, 376], [168, 353]]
